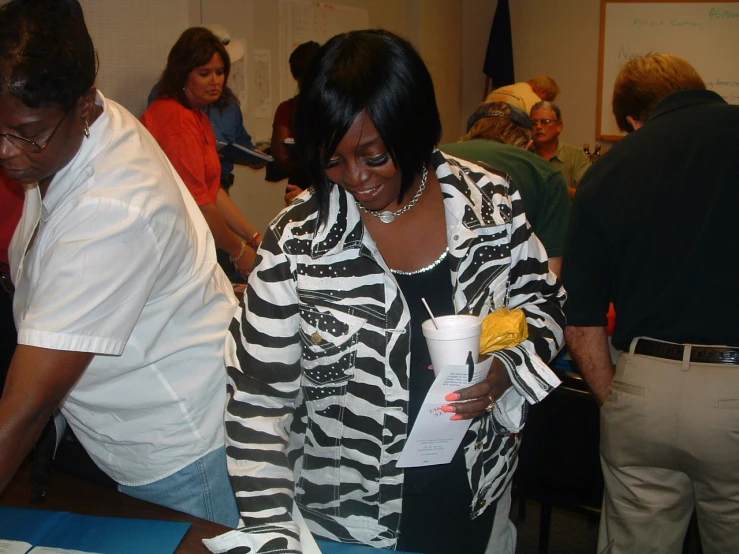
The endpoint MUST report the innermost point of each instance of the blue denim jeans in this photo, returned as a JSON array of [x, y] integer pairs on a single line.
[[202, 489]]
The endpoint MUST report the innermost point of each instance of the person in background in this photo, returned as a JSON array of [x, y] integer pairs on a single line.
[[284, 124], [498, 136], [525, 95], [546, 119], [196, 77], [11, 207], [226, 119], [328, 366], [120, 306], [654, 227]]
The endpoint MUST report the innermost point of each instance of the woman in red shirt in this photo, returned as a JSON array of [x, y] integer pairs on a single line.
[[196, 75]]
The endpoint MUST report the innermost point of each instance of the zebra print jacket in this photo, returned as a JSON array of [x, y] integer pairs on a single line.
[[318, 364]]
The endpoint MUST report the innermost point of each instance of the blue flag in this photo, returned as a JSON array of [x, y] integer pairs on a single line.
[[499, 56]]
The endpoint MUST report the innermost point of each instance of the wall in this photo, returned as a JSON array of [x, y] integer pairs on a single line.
[[558, 38], [477, 17], [435, 29], [561, 41]]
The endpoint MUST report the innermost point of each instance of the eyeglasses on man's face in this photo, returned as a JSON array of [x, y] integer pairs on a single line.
[[535, 122], [30, 146]]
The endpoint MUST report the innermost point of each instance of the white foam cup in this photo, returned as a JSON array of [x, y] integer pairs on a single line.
[[456, 336]]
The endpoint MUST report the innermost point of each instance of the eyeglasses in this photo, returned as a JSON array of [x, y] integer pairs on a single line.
[[30, 146], [535, 122]]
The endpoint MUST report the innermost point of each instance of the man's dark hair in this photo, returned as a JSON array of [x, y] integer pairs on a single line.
[[46, 54], [376, 72], [195, 48], [301, 58]]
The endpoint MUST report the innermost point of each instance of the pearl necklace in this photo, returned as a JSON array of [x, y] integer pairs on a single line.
[[387, 216]]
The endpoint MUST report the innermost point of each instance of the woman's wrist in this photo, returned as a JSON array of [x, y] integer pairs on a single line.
[[236, 258]]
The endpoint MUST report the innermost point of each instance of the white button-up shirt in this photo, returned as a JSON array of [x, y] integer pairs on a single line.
[[124, 266]]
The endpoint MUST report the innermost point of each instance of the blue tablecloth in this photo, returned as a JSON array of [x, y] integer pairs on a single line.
[[112, 535], [563, 361], [107, 535], [328, 547]]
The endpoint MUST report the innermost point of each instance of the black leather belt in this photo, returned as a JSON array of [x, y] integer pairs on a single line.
[[699, 354]]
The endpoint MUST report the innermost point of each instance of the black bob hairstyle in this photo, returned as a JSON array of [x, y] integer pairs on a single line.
[[376, 72], [47, 58], [195, 48]]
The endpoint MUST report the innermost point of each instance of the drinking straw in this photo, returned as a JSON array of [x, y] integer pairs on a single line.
[[433, 319]]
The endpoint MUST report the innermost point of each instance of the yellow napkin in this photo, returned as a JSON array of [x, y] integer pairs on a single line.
[[503, 328]]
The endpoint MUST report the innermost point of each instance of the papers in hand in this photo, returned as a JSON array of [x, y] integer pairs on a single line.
[[237, 154], [435, 437]]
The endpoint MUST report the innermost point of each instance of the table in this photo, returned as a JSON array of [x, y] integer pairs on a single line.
[[67, 493], [70, 494]]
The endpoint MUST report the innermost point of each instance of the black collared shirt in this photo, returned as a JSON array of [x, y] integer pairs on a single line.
[[654, 228]]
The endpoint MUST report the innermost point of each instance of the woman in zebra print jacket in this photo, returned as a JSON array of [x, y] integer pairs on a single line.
[[327, 364]]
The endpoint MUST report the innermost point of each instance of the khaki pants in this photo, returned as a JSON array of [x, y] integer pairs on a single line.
[[670, 444]]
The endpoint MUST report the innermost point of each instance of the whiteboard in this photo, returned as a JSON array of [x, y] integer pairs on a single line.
[[302, 21], [706, 33]]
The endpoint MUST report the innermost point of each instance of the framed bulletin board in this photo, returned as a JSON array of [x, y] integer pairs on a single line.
[[705, 32]]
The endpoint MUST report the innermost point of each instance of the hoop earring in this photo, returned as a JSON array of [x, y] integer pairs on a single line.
[[87, 130]]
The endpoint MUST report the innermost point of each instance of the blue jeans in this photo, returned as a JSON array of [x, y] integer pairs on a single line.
[[202, 489]]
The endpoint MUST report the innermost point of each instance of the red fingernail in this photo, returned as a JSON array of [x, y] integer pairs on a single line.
[[447, 408], [452, 396], [455, 417]]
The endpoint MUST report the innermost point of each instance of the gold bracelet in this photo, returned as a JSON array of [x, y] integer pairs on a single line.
[[235, 259]]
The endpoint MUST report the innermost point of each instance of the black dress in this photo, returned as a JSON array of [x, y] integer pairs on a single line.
[[437, 499]]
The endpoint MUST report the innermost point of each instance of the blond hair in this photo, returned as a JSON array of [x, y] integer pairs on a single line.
[[544, 87]]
